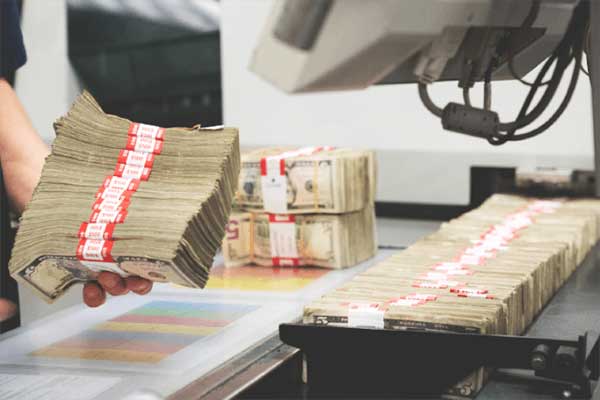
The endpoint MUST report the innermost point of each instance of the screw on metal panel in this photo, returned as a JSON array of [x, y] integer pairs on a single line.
[[566, 394], [538, 362]]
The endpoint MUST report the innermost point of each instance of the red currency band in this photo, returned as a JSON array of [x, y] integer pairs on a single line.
[[449, 266], [132, 172], [429, 285], [136, 158], [285, 261], [408, 302], [476, 295], [144, 130], [144, 144], [125, 184], [264, 167], [282, 218], [460, 272], [113, 204], [420, 296], [115, 187], [470, 260], [467, 290], [90, 230], [95, 250], [108, 217], [112, 195]]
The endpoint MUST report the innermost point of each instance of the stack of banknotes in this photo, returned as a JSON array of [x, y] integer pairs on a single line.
[[129, 198], [308, 206], [489, 271]]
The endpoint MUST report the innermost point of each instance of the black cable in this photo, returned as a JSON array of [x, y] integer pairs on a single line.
[[544, 101], [467, 96], [503, 138], [577, 45], [564, 55], [435, 110], [563, 105], [487, 87], [527, 23]]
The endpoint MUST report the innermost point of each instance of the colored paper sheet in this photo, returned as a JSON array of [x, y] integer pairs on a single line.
[[147, 334]]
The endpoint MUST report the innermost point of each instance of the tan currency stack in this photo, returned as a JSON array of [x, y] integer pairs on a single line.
[[322, 240], [489, 271], [128, 198], [315, 179], [308, 206]]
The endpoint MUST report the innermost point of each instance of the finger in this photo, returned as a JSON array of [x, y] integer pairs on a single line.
[[112, 283], [138, 285], [7, 309], [93, 294]]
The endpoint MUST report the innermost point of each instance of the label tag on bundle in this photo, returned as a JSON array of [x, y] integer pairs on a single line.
[[273, 178], [282, 237], [468, 290], [132, 172], [470, 259], [146, 131], [108, 217], [144, 144], [429, 285], [545, 206], [115, 187], [476, 295], [407, 302], [365, 315], [113, 204], [274, 184], [96, 255], [98, 231], [95, 250], [136, 158], [420, 296]]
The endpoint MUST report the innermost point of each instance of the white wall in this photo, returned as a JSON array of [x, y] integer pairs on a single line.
[[46, 85], [419, 161]]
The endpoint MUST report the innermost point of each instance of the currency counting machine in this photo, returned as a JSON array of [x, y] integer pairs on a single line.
[[388, 42]]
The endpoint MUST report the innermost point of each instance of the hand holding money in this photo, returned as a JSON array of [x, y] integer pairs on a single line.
[[94, 293], [7, 309], [106, 187]]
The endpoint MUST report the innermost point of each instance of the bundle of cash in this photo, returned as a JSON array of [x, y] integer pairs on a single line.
[[323, 240], [129, 198], [489, 271], [306, 180]]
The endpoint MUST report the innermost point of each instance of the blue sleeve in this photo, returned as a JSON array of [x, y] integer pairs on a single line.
[[12, 50]]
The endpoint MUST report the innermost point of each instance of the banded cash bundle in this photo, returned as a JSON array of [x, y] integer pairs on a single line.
[[129, 198], [306, 180], [489, 271], [323, 240]]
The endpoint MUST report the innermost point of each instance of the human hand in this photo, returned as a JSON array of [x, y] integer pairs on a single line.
[[7, 309], [94, 293]]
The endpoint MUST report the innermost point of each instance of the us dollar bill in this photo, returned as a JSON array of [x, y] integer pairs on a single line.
[[323, 240]]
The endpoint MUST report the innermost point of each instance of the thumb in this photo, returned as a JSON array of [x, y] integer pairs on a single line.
[[7, 309]]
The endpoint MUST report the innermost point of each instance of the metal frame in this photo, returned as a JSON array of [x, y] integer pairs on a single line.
[[594, 65], [352, 362]]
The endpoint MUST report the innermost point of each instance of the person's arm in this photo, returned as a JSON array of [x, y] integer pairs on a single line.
[[22, 151]]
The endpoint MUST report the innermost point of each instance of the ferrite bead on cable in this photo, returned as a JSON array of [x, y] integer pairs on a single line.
[[470, 120]]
